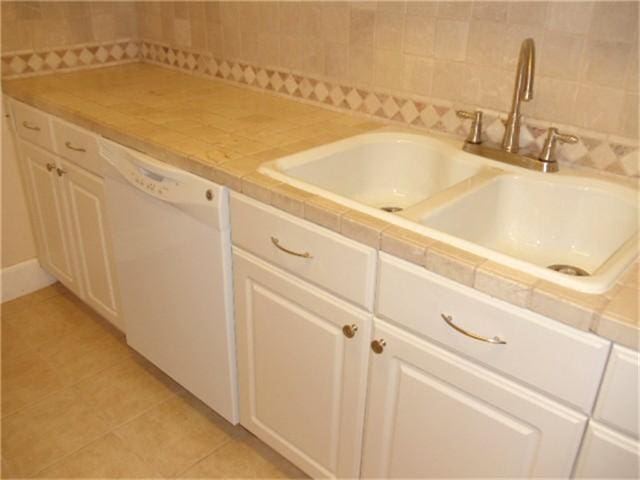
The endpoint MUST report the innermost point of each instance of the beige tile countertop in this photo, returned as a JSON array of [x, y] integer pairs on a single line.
[[224, 132]]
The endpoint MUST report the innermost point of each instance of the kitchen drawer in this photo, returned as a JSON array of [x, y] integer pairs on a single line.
[[77, 144], [541, 352], [341, 266], [32, 125], [618, 400]]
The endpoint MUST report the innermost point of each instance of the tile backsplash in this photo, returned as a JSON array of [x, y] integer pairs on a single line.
[[412, 62]]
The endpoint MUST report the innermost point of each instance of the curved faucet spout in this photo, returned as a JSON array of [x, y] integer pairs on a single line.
[[523, 91]]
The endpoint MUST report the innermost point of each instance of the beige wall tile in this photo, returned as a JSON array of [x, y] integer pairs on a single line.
[[494, 11], [527, 13], [554, 100], [388, 69], [615, 21], [335, 22], [599, 108], [561, 55], [457, 9], [418, 74], [451, 39], [362, 27], [455, 81], [630, 109], [389, 31], [361, 65], [602, 59], [486, 43], [419, 35], [570, 17]]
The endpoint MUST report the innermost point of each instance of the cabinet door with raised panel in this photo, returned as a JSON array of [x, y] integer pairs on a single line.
[[432, 414], [47, 202], [302, 356], [85, 194]]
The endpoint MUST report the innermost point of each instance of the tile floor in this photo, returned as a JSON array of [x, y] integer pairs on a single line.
[[77, 402]]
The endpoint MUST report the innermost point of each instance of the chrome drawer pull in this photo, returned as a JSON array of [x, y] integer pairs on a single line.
[[494, 340], [276, 242], [75, 149], [28, 126]]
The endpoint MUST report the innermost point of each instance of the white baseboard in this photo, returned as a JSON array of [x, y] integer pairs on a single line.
[[23, 278]]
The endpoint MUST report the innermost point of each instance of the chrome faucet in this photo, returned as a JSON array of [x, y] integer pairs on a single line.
[[508, 150], [523, 92]]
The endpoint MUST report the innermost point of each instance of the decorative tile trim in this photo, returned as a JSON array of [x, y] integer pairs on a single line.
[[595, 151], [73, 57]]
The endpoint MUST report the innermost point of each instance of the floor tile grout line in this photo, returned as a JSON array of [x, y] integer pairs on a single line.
[[91, 442], [204, 457]]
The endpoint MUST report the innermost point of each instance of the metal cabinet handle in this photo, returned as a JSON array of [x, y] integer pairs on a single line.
[[349, 331], [27, 125], [60, 171], [276, 242], [378, 346], [494, 340], [75, 149]]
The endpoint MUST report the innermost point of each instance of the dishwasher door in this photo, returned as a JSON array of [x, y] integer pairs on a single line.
[[172, 246]]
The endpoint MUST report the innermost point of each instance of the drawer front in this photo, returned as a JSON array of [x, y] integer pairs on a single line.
[[32, 125], [77, 144], [618, 400], [335, 263], [546, 354]]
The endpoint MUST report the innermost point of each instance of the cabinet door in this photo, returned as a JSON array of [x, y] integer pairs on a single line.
[[85, 193], [56, 250], [302, 380], [608, 454], [432, 414]]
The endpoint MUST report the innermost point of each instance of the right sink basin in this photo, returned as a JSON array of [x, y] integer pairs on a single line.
[[574, 224]]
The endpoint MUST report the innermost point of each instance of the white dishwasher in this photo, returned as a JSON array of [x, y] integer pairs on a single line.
[[172, 247]]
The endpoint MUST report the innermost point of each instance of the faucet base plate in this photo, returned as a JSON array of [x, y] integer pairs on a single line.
[[511, 158]]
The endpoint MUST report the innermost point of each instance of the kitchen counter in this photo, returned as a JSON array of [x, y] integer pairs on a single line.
[[223, 132]]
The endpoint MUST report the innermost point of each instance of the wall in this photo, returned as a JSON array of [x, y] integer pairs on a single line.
[[463, 52], [412, 62], [45, 25], [40, 37], [17, 237]]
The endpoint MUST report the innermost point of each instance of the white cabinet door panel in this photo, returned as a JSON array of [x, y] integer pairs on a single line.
[[51, 218], [433, 414], [608, 454], [302, 381], [88, 215]]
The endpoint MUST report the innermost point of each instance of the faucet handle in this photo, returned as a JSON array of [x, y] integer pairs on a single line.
[[553, 136], [475, 134]]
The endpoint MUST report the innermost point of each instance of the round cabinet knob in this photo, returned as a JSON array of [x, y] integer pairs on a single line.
[[209, 194], [350, 330], [50, 167], [60, 171], [378, 346]]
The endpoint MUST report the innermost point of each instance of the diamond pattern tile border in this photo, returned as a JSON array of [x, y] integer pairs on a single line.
[[594, 151], [74, 57]]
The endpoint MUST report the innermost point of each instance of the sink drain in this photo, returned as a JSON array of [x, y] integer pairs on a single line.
[[391, 209], [569, 270]]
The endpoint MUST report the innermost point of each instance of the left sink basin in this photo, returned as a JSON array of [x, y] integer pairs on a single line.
[[384, 171]]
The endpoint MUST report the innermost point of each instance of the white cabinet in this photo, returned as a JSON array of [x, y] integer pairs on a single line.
[[433, 414], [302, 379], [49, 214], [611, 448], [608, 454], [85, 194], [66, 204]]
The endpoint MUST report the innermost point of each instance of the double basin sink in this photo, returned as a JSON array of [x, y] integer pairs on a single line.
[[575, 231]]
